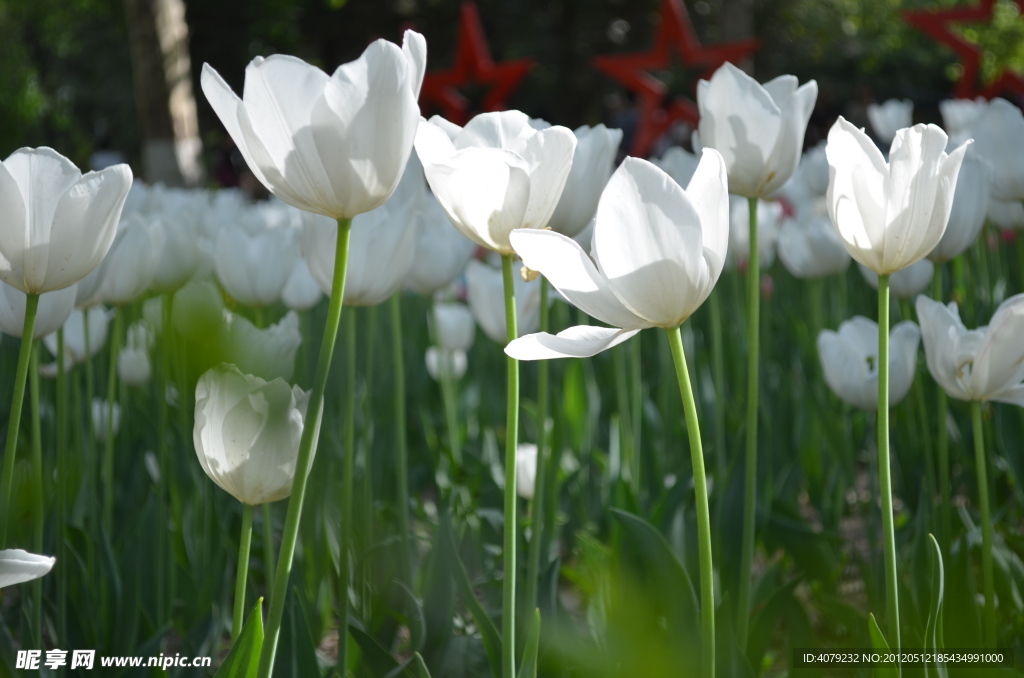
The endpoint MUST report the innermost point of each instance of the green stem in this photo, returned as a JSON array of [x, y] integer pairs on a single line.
[[625, 423], [718, 375], [37, 488], [508, 608], [990, 637], [347, 484], [163, 536], [267, 518], [943, 440], [700, 487], [108, 439], [242, 573], [537, 532], [750, 475], [636, 404], [401, 444], [62, 489], [1020, 259], [884, 471], [14, 422], [310, 434]]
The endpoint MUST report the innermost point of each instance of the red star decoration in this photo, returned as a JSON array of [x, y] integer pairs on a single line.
[[936, 24], [674, 32], [472, 65]]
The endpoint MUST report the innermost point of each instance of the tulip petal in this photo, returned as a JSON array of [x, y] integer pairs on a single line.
[[17, 566], [999, 364], [796, 105], [548, 155], [433, 142], [903, 342], [568, 268], [846, 373], [708, 190], [856, 197], [582, 341], [449, 128], [501, 129], [648, 244], [414, 46], [13, 241]]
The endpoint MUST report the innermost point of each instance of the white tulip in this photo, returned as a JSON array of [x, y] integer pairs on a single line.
[[179, 254], [982, 364], [769, 218], [486, 291], [890, 117], [133, 365], [1006, 214], [526, 470], [905, 283], [443, 362], [658, 252], [958, 115], [890, 215], [247, 433], [970, 204], [74, 334], [128, 270], [17, 566], [454, 328], [301, 292], [99, 418], [58, 223], [759, 130], [268, 353], [253, 267], [53, 311], [442, 252], [592, 164], [498, 174], [999, 137], [679, 164], [849, 359], [334, 145], [810, 248]]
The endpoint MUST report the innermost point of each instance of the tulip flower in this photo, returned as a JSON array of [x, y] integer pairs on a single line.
[[381, 249], [526, 473], [445, 363], [17, 566], [102, 412], [959, 115], [58, 223], [497, 175], [333, 145], [849, 359], [592, 164], [759, 129], [970, 204], [254, 267], [906, 283], [890, 215], [301, 292], [179, 255], [484, 286], [999, 138], [442, 252], [810, 248], [133, 366], [53, 311], [247, 433], [454, 328], [267, 353], [1006, 214], [80, 346], [679, 164], [132, 262], [658, 251], [889, 117], [986, 364]]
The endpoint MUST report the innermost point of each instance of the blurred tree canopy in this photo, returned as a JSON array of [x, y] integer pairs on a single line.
[[67, 79]]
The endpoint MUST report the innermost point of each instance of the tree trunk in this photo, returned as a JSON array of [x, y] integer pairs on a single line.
[[162, 73]]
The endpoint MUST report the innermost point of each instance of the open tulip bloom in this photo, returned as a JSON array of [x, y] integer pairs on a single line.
[[890, 215], [657, 253], [986, 364]]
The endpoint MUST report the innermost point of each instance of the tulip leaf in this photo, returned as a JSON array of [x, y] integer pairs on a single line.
[[933, 629], [730, 661], [528, 669], [296, 652], [244, 659], [414, 618], [879, 642], [488, 631], [421, 666], [376, 656]]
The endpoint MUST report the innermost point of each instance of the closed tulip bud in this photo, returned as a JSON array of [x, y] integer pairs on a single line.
[[905, 283], [443, 363], [958, 115], [592, 164], [810, 248], [128, 270], [333, 145], [133, 366], [657, 253], [982, 364], [382, 246], [247, 433], [769, 218], [99, 418], [497, 175], [486, 293], [301, 292], [17, 566], [58, 223], [442, 252], [890, 214], [454, 328], [890, 117], [526, 470], [253, 267], [268, 353], [179, 254], [53, 310], [74, 334], [758, 129], [849, 359], [970, 204], [999, 137]]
